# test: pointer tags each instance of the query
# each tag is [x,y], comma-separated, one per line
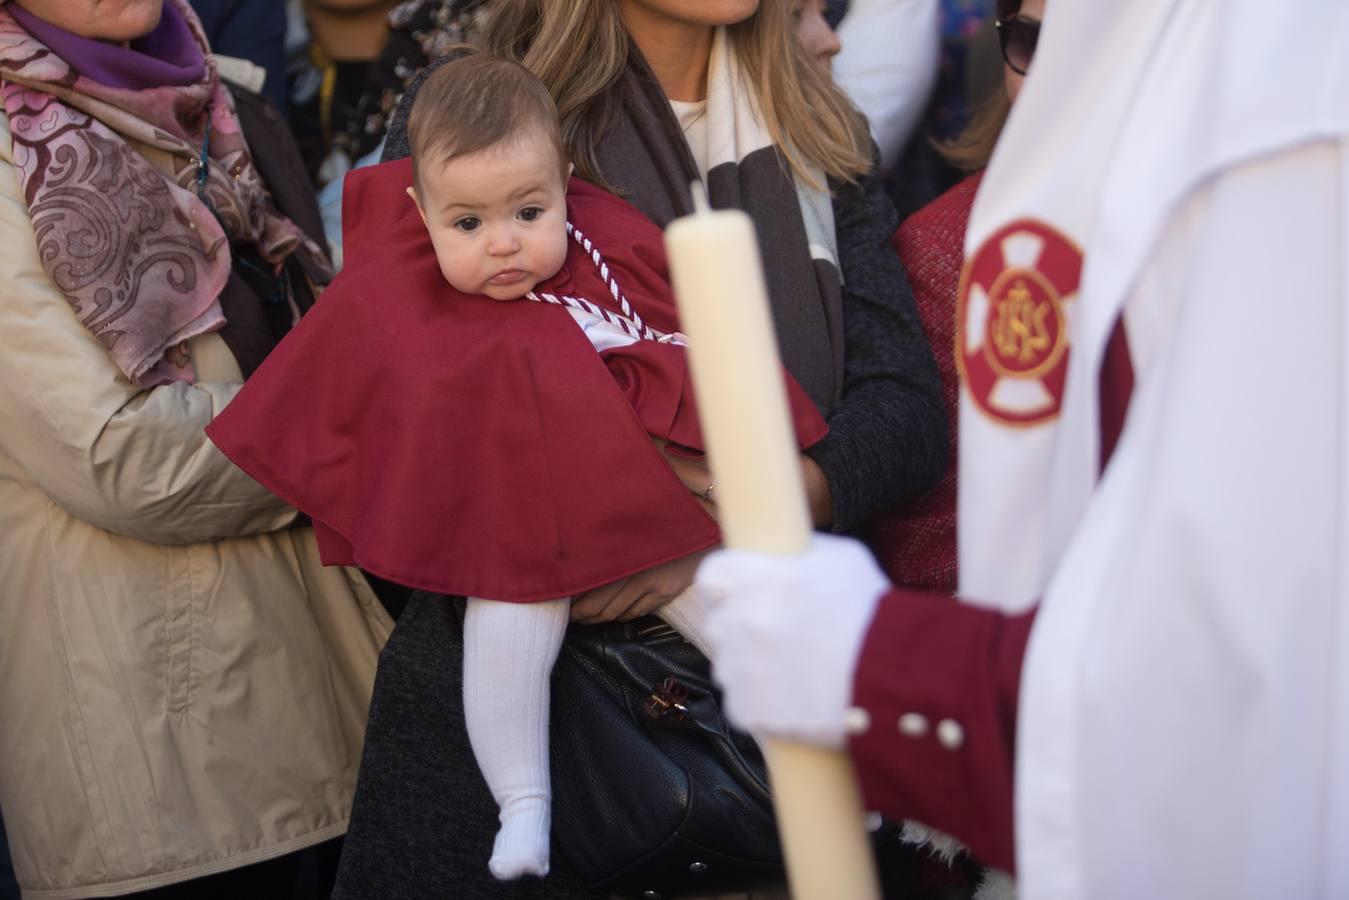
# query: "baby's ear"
[412,192]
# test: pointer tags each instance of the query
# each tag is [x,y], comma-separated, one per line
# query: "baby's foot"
[521,846]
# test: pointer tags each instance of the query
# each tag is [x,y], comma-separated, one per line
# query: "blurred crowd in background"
[337,69]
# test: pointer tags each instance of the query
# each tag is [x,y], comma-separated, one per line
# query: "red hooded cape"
[454,443]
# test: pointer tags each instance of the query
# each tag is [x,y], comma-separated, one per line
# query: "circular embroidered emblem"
[1013,314]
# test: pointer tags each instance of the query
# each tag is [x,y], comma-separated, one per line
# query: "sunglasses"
[1018,38]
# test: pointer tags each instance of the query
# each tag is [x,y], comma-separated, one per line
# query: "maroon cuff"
[938,681]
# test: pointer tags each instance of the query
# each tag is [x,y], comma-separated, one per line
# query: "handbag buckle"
[667,700]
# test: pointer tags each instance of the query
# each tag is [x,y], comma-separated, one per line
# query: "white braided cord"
[629,320]
[594,254]
[629,327]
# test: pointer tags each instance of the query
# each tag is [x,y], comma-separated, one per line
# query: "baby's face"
[498,217]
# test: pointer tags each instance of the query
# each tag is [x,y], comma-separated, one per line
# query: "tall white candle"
[723,308]
[761,505]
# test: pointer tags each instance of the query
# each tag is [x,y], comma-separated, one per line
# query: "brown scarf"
[141,252]
[644,154]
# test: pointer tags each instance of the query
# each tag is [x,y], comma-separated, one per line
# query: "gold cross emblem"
[1021,330]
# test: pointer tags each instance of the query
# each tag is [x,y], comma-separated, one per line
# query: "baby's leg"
[509,651]
[687,615]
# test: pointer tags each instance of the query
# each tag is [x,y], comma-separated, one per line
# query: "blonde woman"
[654,94]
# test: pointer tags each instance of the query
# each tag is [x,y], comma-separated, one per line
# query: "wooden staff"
[761,505]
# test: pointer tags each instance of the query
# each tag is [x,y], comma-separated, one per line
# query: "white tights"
[509,651]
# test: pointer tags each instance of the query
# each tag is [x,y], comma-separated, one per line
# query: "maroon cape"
[454,443]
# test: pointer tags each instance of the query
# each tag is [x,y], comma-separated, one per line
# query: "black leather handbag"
[654,796]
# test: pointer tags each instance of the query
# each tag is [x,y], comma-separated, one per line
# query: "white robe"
[1184,714]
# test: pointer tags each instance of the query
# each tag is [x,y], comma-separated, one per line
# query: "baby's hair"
[477,101]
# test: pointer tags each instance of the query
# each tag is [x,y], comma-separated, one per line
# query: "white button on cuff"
[950,734]
[913,725]
[856,720]
[873,821]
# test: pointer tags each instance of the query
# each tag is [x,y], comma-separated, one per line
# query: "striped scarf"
[647,156]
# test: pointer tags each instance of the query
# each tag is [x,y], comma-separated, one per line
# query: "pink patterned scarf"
[141,258]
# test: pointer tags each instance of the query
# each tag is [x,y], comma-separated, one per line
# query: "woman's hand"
[698,479]
[818,496]
[695,474]
[637,595]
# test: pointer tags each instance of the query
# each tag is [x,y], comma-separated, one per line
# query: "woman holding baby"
[654,94]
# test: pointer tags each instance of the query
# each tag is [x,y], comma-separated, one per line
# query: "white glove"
[785,634]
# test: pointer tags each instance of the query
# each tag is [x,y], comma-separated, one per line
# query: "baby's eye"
[468,223]
[530,213]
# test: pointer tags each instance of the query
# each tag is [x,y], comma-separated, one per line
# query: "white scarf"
[731,128]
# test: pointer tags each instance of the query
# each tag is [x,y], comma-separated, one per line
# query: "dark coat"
[257,316]
[254,30]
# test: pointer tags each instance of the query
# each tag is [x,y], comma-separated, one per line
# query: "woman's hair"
[579,49]
[971,150]
[477,101]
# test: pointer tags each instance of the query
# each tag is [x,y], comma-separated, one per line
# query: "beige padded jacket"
[183,688]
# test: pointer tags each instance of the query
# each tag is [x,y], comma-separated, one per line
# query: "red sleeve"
[938,681]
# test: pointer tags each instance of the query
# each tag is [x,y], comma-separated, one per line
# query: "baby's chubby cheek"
[458,277]
[554,256]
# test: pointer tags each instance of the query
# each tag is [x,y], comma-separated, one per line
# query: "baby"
[490,181]
[490,176]
[470,439]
